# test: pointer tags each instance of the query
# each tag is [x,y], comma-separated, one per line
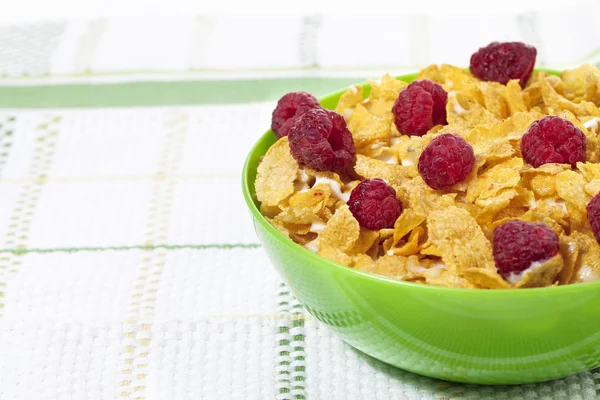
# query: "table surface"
[128,263]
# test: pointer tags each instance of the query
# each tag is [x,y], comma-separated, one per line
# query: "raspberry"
[289,109]
[518,244]
[501,62]
[420,107]
[320,140]
[374,204]
[447,160]
[553,140]
[593,214]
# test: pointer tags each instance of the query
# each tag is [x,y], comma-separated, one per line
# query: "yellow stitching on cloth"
[136,343]
[17,234]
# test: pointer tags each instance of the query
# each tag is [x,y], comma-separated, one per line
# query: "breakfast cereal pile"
[481,178]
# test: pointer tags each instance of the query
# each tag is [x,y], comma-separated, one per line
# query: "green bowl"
[461,335]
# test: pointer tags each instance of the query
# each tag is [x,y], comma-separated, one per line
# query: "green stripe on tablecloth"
[291,381]
[168,93]
[164,93]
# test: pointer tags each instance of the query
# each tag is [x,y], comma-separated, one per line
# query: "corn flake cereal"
[276,174]
[349,100]
[543,274]
[341,232]
[421,198]
[304,207]
[569,249]
[503,176]
[443,277]
[587,266]
[398,267]
[514,97]
[582,83]
[459,239]
[570,187]
[394,174]
[368,129]
[335,255]
[485,278]
[444,237]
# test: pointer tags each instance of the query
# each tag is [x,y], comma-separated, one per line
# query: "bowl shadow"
[559,389]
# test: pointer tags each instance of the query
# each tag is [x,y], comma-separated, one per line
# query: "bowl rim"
[333,266]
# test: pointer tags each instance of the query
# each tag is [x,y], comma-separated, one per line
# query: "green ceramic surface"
[462,335]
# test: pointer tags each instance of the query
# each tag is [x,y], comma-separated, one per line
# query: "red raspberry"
[419,107]
[501,62]
[593,214]
[518,244]
[320,140]
[289,109]
[374,204]
[553,140]
[447,160]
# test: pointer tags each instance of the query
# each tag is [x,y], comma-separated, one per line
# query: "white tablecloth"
[128,263]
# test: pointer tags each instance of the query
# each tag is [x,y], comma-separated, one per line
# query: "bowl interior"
[330,101]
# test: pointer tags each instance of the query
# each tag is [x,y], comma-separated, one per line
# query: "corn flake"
[387,88]
[496,179]
[422,199]
[305,207]
[459,239]
[570,187]
[543,274]
[569,248]
[411,246]
[461,109]
[514,97]
[493,98]
[368,129]
[485,278]
[589,171]
[276,174]
[398,267]
[582,83]
[365,241]
[341,232]
[442,277]
[434,74]
[543,185]
[587,266]
[349,100]
[362,262]
[408,220]
[335,255]
[557,103]
[394,174]
[593,188]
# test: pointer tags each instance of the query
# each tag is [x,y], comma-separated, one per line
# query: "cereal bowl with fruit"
[445,222]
